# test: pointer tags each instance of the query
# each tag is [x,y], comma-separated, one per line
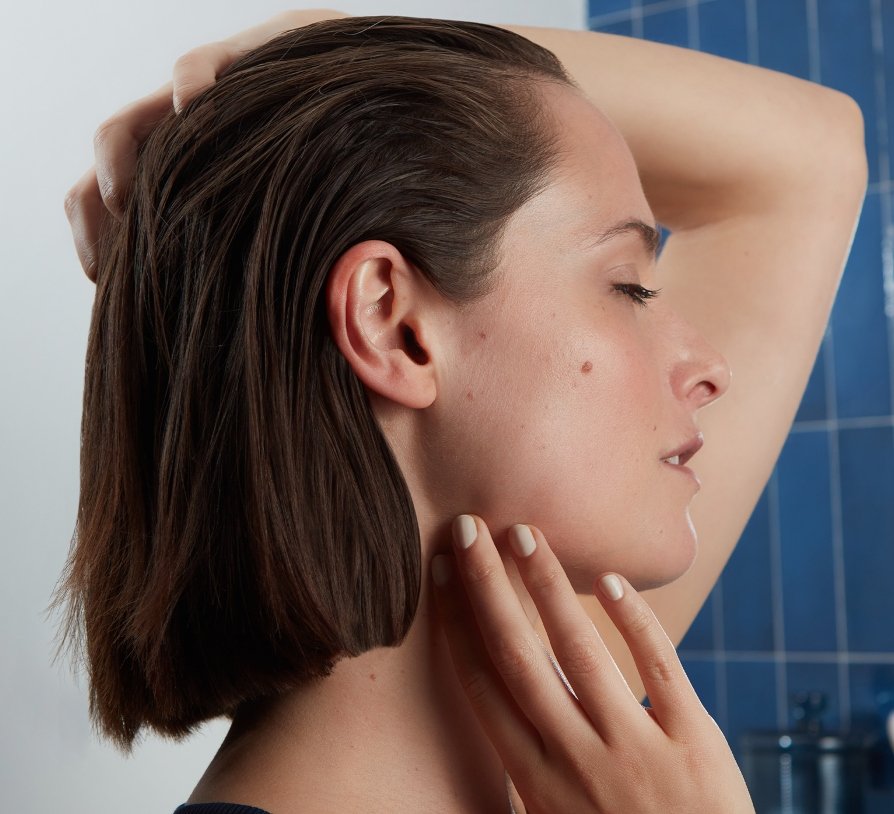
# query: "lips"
[687,449]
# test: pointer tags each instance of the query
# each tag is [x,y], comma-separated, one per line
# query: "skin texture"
[557,392]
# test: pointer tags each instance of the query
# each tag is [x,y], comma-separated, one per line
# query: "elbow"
[824,161]
[846,128]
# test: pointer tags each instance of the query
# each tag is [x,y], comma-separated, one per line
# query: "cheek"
[476,427]
[609,405]
[563,435]
[593,482]
[551,430]
[503,433]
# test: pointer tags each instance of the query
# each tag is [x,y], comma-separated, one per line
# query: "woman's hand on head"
[103,187]
[601,751]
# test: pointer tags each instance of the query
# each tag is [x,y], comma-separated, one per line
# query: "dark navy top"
[217,808]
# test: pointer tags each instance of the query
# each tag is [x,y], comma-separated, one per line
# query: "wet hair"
[242,522]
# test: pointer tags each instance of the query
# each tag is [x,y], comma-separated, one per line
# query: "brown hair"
[242,521]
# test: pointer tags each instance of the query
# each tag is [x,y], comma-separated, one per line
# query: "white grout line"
[881,96]
[833,424]
[884,165]
[641,10]
[790,656]
[610,18]
[884,168]
[813,47]
[692,32]
[844,695]
[888,279]
[751,31]
[636,18]
[888,265]
[776,597]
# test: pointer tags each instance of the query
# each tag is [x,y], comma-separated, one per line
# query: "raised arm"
[760,176]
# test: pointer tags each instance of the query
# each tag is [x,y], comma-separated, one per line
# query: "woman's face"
[561,394]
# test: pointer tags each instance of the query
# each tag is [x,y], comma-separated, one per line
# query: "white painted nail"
[465,531]
[522,540]
[611,586]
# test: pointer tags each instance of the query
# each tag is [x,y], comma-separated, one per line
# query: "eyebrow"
[649,234]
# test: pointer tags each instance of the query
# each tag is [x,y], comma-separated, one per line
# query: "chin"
[644,566]
[670,563]
[648,581]
[660,565]
[656,575]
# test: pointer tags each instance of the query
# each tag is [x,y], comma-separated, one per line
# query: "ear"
[380,317]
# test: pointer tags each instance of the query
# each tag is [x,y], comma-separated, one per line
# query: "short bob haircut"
[242,522]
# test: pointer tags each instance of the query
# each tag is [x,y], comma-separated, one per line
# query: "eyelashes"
[636,292]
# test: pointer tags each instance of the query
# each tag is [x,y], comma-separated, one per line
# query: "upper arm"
[759,285]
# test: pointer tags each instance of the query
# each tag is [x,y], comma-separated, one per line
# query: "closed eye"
[636,292]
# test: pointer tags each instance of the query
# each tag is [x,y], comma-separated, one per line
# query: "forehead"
[594,186]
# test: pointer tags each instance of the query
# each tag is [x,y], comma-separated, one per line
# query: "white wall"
[64,67]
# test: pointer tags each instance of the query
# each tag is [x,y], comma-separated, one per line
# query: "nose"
[700,373]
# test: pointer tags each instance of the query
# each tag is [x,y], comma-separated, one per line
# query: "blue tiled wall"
[807,599]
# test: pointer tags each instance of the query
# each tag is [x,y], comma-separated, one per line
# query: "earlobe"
[376,311]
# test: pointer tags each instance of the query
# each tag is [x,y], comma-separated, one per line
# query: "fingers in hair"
[84,209]
[117,140]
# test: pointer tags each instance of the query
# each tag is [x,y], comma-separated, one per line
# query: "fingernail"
[611,586]
[441,569]
[522,541]
[464,530]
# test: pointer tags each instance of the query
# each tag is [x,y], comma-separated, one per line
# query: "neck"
[389,730]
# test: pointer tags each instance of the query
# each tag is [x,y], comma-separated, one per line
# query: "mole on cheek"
[586,367]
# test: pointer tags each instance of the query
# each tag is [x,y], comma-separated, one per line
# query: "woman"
[401,270]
